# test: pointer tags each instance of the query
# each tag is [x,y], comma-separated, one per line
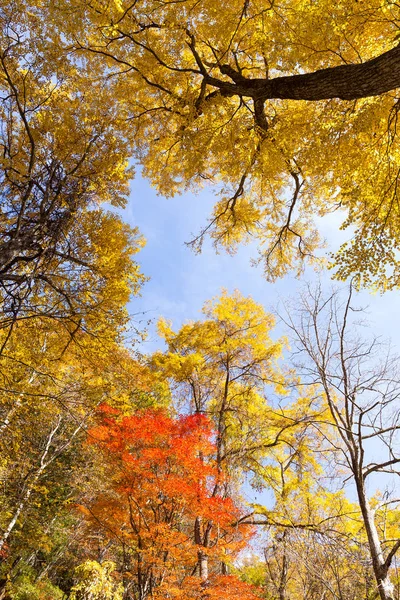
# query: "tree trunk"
[3,589]
[203,565]
[29,489]
[283,578]
[381,570]
[202,558]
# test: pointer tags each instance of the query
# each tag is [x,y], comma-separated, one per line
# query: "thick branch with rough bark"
[347,82]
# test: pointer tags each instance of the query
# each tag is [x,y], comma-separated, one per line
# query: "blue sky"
[181,281]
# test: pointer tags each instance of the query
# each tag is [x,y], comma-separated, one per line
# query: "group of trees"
[125,476]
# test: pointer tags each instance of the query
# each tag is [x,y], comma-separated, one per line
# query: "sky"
[181,281]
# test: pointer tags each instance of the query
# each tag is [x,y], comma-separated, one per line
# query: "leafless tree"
[359,382]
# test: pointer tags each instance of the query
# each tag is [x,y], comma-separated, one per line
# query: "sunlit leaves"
[161,489]
[176,74]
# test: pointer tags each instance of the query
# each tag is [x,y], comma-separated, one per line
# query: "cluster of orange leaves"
[161,480]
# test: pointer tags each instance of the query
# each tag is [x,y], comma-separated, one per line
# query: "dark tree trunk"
[347,82]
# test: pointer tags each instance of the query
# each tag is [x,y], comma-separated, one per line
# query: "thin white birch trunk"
[45,461]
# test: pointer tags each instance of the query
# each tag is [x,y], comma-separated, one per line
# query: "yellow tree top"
[290,107]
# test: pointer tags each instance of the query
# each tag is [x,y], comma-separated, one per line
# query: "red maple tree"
[162,511]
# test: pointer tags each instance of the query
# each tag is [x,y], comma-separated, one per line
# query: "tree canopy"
[288,108]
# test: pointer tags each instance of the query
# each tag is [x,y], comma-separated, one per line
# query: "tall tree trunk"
[284,571]
[380,567]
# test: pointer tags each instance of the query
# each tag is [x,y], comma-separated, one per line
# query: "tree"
[289,107]
[46,406]
[94,582]
[63,154]
[227,366]
[67,272]
[307,565]
[161,478]
[359,385]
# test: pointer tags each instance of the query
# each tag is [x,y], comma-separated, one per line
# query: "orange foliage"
[162,484]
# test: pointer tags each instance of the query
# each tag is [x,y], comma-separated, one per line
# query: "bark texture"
[347,82]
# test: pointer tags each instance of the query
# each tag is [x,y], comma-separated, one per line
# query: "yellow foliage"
[177,72]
